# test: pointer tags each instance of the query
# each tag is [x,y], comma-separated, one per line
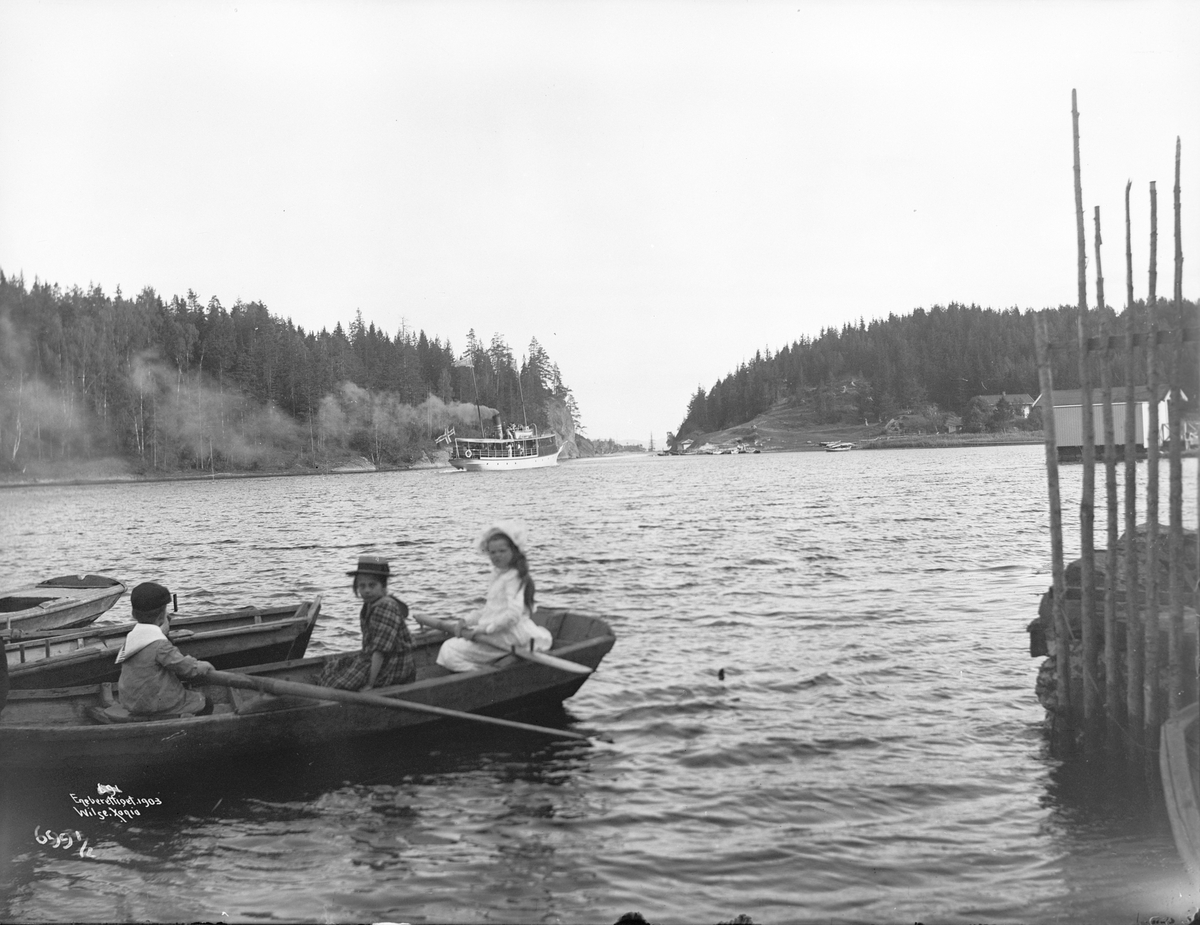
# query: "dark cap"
[372,565]
[148,597]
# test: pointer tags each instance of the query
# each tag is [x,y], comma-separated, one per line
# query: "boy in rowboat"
[507,616]
[152,669]
[386,656]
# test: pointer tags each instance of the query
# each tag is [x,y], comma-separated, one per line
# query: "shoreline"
[52,482]
[950,441]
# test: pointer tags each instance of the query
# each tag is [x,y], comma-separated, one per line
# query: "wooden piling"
[1150,649]
[1062,631]
[1134,638]
[1087,514]
[1175,417]
[1111,700]
[1161,662]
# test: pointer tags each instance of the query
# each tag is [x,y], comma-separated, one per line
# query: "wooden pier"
[1119,624]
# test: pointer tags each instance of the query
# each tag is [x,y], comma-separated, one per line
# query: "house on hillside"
[1021,404]
[1068,417]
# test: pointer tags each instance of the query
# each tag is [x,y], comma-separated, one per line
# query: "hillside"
[944,358]
[792,424]
[803,423]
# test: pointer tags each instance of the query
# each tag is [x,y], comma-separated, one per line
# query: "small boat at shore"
[1179,764]
[250,636]
[81,728]
[58,603]
[837,447]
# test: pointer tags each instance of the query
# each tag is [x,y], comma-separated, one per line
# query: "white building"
[1068,415]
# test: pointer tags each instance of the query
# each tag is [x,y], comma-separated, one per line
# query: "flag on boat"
[466,361]
[446,437]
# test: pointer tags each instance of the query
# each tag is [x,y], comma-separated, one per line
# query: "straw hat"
[372,565]
[513,529]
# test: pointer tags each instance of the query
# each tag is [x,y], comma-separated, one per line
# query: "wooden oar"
[315,692]
[530,655]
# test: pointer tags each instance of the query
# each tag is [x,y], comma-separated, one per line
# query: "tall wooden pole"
[1175,416]
[1111,698]
[1087,514]
[1133,626]
[1150,614]
[1062,632]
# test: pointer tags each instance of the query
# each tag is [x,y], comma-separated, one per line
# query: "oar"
[530,655]
[313,691]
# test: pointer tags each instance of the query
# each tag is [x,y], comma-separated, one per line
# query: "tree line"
[939,359]
[173,384]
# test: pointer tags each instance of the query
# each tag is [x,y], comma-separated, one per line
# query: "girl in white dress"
[507,617]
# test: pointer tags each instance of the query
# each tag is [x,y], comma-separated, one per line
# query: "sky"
[654,190]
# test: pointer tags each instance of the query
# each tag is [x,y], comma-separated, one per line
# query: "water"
[874,752]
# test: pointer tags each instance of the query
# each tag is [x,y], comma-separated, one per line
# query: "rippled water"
[874,752]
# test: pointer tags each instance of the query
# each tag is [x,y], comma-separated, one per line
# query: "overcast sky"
[654,190]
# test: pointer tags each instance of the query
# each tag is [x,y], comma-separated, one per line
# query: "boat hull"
[504,463]
[52,729]
[1178,756]
[59,603]
[251,636]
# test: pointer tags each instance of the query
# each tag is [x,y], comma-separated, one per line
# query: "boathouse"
[1068,416]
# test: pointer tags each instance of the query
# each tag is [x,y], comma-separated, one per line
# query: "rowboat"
[250,636]
[59,603]
[80,728]
[1179,763]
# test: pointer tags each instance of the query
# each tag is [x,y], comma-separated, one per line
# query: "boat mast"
[475,385]
[521,392]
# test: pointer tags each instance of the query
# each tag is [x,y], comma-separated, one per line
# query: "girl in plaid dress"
[386,656]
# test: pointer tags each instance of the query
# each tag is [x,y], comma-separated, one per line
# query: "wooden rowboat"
[250,636]
[58,603]
[1179,762]
[69,728]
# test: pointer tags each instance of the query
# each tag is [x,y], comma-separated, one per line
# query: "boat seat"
[115,713]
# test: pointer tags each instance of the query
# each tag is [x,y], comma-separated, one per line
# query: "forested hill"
[171,385]
[942,357]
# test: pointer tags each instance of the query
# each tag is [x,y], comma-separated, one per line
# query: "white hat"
[513,529]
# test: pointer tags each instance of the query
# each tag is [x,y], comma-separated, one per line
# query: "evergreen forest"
[167,386]
[930,361]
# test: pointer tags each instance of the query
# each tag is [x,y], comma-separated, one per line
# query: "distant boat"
[513,448]
[837,447]
[58,603]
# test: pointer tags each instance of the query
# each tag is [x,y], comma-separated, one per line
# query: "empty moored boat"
[1179,763]
[250,636]
[58,603]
